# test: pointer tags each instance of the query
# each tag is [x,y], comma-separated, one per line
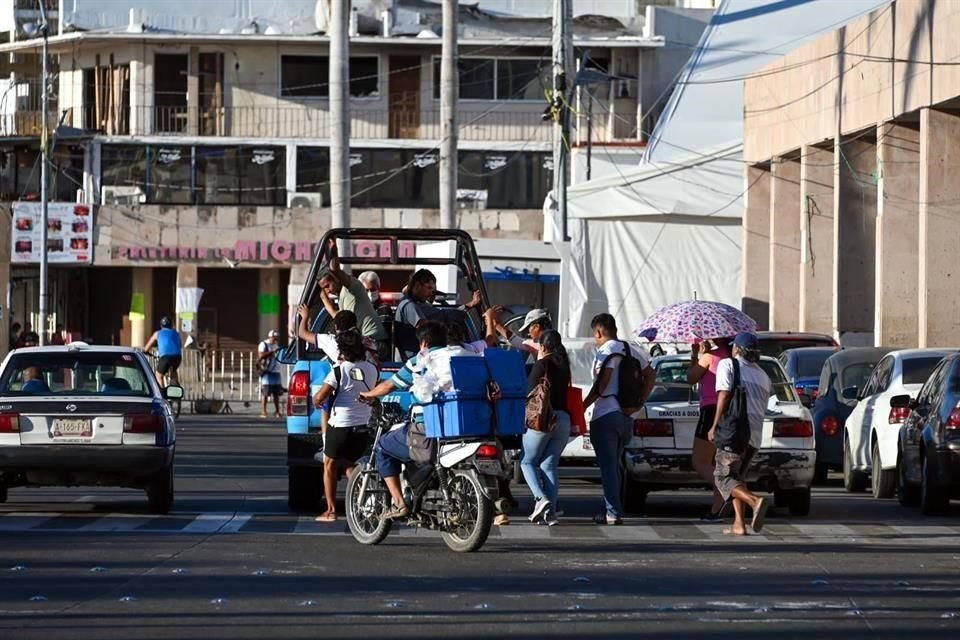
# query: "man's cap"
[747,341]
[534,316]
[273,334]
[165,322]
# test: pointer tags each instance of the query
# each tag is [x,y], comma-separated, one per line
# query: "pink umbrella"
[695,320]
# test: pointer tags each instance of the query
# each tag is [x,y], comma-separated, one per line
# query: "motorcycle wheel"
[473,512]
[366,520]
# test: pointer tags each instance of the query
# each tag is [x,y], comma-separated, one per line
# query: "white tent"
[669,230]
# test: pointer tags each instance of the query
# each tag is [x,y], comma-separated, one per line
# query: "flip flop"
[326,517]
[730,532]
[759,514]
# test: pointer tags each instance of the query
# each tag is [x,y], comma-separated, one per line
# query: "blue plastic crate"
[459,415]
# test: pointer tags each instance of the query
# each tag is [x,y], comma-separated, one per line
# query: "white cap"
[533,316]
[273,334]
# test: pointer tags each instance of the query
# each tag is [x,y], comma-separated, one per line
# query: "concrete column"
[816,239]
[141,306]
[5,313]
[268,301]
[897,248]
[193,92]
[939,232]
[756,246]
[785,245]
[855,213]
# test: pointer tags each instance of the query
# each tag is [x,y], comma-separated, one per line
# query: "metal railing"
[212,378]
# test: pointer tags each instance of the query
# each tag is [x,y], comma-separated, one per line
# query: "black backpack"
[630,385]
[733,428]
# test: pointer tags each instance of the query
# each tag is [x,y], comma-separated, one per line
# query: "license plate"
[72,428]
[587,444]
[489,467]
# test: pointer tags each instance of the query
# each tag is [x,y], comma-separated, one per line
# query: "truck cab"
[449,254]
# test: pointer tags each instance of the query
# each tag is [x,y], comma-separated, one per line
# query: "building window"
[498,78]
[171,175]
[313,172]
[309,76]
[67,172]
[241,175]
[505,180]
[123,172]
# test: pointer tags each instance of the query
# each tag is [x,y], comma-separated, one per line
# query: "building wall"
[869,71]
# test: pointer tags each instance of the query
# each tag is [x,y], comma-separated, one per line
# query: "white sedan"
[659,455]
[872,429]
[81,415]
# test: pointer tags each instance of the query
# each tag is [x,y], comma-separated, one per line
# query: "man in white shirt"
[731,465]
[270,384]
[611,428]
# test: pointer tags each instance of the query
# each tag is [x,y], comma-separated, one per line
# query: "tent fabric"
[653,235]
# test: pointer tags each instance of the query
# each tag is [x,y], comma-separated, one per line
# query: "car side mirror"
[850,393]
[903,401]
[806,400]
[173,392]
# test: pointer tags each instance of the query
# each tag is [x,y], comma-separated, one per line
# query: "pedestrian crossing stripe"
[639,530]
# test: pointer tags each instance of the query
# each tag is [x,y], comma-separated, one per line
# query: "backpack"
[733,428]
[630,382]
[539,414]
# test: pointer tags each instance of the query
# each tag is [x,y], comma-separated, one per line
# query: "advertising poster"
[69,233]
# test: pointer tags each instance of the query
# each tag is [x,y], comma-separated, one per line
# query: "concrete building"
[201,143]
[853,181]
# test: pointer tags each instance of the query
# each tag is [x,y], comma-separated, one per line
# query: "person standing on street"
[542,449]
[740,375]
[169,350]
[611,427]
[705,357]
[269,373]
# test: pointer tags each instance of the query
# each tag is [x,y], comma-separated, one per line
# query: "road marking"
[524,532]
[21,523]
[236,523]
[630,532]
[111,524]
[207,523]
[929,530]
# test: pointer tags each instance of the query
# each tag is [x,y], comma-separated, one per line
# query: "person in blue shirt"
[392,449]
[169,350]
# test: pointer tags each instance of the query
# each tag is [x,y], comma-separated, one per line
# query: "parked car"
[86,415]
[658,455]
[844,369]
[803,367]
[872,429]
[774,343]
[928,460]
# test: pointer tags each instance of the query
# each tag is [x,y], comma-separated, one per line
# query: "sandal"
[329,516]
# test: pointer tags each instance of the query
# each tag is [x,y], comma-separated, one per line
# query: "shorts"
[730,470]
[166,363]
[707,415]
[267,390]
[345,443]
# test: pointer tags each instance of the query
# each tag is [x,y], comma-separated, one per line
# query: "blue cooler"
[466,412]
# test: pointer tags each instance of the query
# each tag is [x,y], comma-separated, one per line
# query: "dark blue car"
[803,367]
[844,369]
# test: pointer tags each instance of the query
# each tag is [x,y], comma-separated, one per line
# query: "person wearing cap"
[535,324]
[169,350]
[269,373]
[731,465]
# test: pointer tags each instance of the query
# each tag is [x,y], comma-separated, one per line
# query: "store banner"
[69,233]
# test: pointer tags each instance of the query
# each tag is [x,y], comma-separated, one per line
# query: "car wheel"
[883,482]
[798,501]
[820,473]
[933,499]
[853,481]
[304,488]
[634,497]
[160,492]
[907,494]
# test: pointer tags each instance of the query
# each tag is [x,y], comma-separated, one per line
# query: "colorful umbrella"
[695,320]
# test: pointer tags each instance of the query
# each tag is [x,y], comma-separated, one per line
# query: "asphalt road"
[230,562]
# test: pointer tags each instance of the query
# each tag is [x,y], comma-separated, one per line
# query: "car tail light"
[898,415]
[646,428]
[298,398]
[830,426]
[792,428]
[9,423]
[800,390]
[488,451]
[953,422]
[142,423]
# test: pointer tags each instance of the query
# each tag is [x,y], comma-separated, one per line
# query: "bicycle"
[176,404]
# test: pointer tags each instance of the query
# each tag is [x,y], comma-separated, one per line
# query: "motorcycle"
[454,493]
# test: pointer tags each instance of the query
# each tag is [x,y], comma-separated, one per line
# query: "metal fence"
[212,379]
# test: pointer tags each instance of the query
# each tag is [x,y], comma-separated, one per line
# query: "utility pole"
[44,161]
[562,81]
[449,90]
[339,114]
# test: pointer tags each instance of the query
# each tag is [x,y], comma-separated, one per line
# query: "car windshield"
[855,375]
[917,370]
[779,385]
[809,365]
[74,374]
[773,347]
[671,383]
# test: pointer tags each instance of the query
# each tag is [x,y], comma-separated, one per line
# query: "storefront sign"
[69,233]
[258,252]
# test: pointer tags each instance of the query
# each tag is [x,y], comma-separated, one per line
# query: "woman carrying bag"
[548,426]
